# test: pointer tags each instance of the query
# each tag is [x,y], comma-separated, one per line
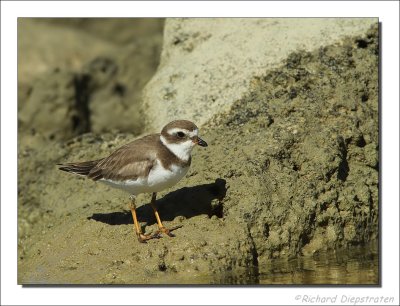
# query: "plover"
[146,165]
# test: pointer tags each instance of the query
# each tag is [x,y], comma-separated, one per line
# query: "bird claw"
[157,235]
[144,237]
[167,231]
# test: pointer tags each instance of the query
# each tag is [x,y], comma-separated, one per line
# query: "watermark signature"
[344,299]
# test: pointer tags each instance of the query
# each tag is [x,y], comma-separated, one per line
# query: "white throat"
[181,150]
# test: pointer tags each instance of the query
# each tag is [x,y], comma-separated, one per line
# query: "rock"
[209,64]
[43,48]
[301,192]
[57,106]
[77,89]
[117,80]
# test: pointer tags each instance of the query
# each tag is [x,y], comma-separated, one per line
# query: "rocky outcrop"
[37,43]
[208,64]
[67,88]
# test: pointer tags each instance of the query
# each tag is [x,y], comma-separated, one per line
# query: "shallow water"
[355,265]
[351,266]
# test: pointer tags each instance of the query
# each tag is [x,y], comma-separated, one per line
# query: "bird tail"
[82,168]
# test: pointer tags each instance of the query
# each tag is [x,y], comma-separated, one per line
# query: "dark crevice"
[266,230]
[323,223]
[254,253]
[361,43]
[162,267]
[119,89]
[81,121]
[360,142]
[296,167]
[304,239]
[343,169]
[364,97]
[305,236]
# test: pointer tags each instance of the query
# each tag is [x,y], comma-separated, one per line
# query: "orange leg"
[141,237]
[161,227]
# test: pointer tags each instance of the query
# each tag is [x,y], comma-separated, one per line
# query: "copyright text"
[348,299]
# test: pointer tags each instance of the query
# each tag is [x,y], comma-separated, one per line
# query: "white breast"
[159,179]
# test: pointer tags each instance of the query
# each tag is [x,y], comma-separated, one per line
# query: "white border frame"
[12,294]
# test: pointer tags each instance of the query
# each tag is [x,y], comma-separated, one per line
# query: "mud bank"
[291,170]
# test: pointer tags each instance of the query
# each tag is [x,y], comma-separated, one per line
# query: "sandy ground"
[290,171]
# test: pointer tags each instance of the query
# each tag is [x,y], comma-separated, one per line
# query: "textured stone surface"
[207,64]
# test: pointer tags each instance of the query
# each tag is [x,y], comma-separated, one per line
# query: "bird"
[149,164]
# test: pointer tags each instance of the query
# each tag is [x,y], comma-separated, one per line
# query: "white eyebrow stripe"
[189,133]
[175,130]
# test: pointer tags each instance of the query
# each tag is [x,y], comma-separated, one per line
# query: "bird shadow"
[187,202]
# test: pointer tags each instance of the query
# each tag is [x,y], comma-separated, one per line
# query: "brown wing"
[131,161]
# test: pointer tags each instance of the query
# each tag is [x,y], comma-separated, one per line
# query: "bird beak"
[199,141]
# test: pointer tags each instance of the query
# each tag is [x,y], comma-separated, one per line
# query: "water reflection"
[355,265]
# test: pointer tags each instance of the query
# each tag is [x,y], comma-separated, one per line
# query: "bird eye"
[180,134]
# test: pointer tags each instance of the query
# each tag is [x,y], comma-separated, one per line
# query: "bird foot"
[167,231]
[144,237]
